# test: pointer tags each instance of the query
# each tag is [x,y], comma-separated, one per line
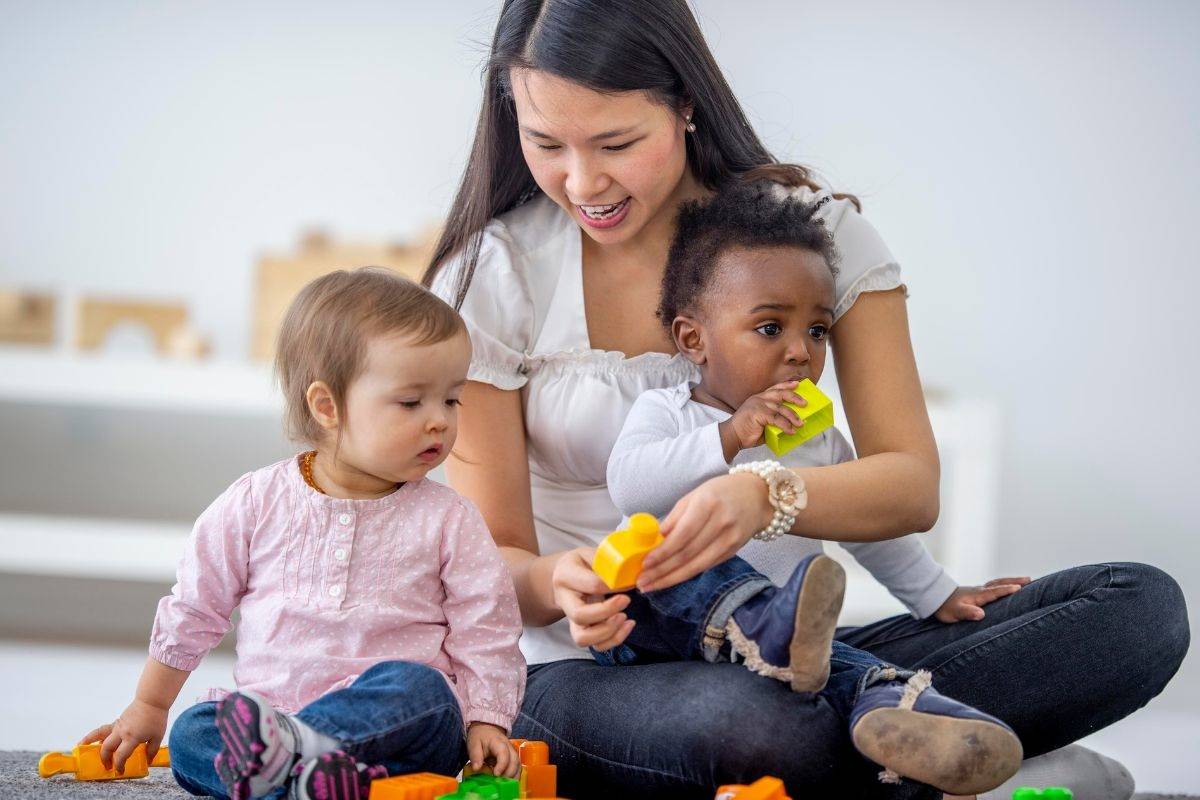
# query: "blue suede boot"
[914,732]
[786,632]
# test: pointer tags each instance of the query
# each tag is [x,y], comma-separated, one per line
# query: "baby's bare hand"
[488,745]
[140,722]
[750,421]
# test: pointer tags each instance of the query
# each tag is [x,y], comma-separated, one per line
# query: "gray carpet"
[19,780]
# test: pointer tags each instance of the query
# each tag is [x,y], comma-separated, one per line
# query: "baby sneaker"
[914,732]
[333,776]
[259,746]
[786,632]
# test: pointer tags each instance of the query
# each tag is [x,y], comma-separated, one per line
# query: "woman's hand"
[707,526]
[140,722]
[966,603]
[488,745]
[578,591]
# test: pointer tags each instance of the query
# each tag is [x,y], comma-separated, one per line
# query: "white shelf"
[63,378]
[90,547]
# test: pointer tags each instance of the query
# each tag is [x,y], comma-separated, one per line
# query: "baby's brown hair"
[325,332]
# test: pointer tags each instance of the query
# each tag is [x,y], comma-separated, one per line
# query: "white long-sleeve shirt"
[670,444]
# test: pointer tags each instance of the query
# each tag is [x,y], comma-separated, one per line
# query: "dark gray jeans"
[1067,655]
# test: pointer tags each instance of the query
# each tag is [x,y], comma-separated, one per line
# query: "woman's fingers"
[650,581]
[583,612]
[683,530]
[1021,581]
[986,595]
[619,637]
[713,554]
[593,635]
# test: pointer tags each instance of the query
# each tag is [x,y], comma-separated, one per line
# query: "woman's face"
[611,161]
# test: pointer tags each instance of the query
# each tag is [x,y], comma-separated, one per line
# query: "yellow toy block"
[762,789]
[619,557]
[817,416]
[414,786]
[84,762]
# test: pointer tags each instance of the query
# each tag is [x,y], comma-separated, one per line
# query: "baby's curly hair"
[758,214]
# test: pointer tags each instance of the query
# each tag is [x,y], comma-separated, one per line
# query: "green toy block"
[1049,793]
[817,416]
[482,786]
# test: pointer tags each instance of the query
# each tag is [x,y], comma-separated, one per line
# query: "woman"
[599,118]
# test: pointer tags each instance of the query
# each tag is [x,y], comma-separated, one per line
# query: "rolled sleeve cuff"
[930,600]
[490,716]
[173,657]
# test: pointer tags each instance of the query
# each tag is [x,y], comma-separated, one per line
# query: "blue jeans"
[686,622]
[398,714]
[1065,656]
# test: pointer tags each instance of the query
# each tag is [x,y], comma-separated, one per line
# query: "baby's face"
[766,319]
[402,409]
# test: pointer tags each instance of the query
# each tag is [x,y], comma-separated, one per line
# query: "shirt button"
[334,591]
[345,519]
[339,554]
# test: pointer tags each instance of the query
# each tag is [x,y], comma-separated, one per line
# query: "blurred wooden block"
[279,278]
[26,317]
[97,319]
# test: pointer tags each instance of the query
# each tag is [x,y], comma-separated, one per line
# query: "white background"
[1034,166]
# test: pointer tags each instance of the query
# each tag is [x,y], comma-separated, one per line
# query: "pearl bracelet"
[785,491]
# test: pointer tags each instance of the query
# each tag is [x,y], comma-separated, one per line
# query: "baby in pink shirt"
[377,618]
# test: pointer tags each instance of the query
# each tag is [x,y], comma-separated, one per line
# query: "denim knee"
[1161,610]
[414,676]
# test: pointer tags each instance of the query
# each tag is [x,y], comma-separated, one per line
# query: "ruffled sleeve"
[498,310]
[865,263]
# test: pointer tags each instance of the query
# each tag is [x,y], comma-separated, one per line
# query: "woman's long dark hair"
[610,46]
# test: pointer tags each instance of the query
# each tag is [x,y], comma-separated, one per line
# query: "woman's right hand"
[579,592]
[140,722]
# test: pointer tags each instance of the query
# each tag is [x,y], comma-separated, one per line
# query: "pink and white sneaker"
[259,746]
[333,776]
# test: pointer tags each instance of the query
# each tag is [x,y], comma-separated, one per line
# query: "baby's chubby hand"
[140,722]
[579,592]
[488,744]
[745,429]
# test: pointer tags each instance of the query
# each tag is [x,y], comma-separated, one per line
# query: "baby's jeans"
[398,714]
[686,622]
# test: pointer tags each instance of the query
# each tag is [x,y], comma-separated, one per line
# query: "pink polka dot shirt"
[327,588]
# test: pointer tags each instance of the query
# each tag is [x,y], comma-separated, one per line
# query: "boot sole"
[817,611]
[957,756]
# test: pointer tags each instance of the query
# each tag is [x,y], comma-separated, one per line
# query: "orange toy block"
[619,557]
[762,789]
[84,762]
[540,776]
[414,786]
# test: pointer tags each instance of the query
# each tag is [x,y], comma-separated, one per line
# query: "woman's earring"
[691,126]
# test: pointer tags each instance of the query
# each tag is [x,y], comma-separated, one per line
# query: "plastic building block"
[619,557]
[817,416]
[84,761]
[414,786]
[767,788]
[1049,793]
[539,777]
[482,786]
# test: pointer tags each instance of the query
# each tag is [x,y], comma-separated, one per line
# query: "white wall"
[1033,165]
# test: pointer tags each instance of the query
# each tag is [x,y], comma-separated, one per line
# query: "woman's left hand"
[967,602]
[707,526]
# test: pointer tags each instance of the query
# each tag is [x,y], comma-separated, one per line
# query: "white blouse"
[525,313]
